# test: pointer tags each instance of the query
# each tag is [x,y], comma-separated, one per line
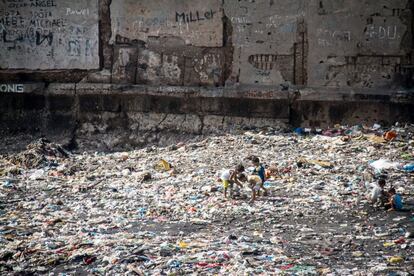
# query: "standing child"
[395,201]
[255,183]
[231,177]
[259,170]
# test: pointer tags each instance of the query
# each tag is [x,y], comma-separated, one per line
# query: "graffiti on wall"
[327,38]
[382,32]
[364,71]
[183,17]
[49,34]
[196,22]
[12,88]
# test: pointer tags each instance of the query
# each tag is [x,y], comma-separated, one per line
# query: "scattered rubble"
[160,210]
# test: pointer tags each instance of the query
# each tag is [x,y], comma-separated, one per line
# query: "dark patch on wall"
[301,49]
[105,33]
[370,71]
[263,61]
[227,49]
[326,113]
[60,76]
[169,61]
[125,64]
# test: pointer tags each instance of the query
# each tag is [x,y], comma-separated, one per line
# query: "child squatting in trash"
[377,194]
[394,202]
[231,177]
[259,171]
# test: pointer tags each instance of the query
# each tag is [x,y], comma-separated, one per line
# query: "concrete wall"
[315,43]
[360,43]
[52,34]
[104,107]
[333,47]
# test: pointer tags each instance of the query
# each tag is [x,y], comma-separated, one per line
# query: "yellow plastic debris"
[395,260]
[376,139]
[163,165]
[324,164]
[182,244]
[357,254]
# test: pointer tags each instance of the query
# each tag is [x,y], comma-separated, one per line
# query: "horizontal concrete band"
[61,106]
[258,92]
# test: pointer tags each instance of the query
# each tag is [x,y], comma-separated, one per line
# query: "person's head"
[381,183]
[383,175]
[242,177]
[256,161]
[392,191]
[240,168]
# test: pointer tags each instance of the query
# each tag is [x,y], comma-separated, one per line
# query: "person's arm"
[233,178]
[238,183]
[392,203]
[236,180]
[373,196]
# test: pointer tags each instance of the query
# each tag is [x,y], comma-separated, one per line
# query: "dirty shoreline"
[74,213]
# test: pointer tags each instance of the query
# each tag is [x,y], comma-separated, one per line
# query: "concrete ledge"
[64,107]
[247,92]
[183,92]
[354,95]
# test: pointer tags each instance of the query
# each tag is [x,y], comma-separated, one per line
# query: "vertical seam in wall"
[100,46]
[46,113]
[289,107]
[77,110]
[303,58]
[136,64]
[184,67]
[294,63]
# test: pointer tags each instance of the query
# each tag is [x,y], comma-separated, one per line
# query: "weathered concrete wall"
[97,108]
[267,40]
[314,43]
[196,22]
[229,47]
[359,43]
[52,34]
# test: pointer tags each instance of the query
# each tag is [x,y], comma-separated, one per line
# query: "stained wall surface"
[52,34]
[359,43]
[196,22]
[280,43]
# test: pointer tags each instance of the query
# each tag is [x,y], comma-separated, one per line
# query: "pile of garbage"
[160,210]
[38,154]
